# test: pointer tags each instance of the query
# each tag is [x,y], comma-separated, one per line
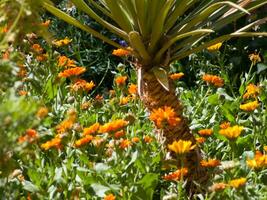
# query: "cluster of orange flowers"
[259,161]
[53,143]
[176,76]
[39,51]
[231,133]
[164,115]
[213,80]
[60,43]
[84,140]
[177,175]
[235,183]
[82,85]
[30,136]
[113,126]
[64,61]
[252,91]
[205,132]
[91,129]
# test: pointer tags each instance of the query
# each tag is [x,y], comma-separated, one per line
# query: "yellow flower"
[175,176]
[249,106]
[42,112]
[232,132]
[205,132]
[181,146]
[162,115]
[215,47]
[72,72]
[236,183]
[259,161]
[213,79]
[91,129]
[60,43]
[121,52]
[254,58]
[176,76]
[81,84]
[124,100]
[251,91]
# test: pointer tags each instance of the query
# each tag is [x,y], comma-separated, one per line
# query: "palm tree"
[160,32]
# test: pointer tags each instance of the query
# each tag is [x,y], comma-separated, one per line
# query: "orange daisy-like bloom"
[42,57]
[237,183]
[132,89]
[42,112]
[66,124]
[6,55]
[225,125]
[81,84]
[121,52]
[113,126]
[23,93]
[83,141]
[72,72]
[135,139]
[210,163]
[232,132]
[112,93]
[99,97]
[54,143]
[29,136]
[37,48]
[125,144]
[64,61]
[213,79]
[60,43]
[148,139]
[215,47]
[120,80]
[164,115]
[249,106]
[251,91]
[119,134]
[181,146]
[200,140]
[110,197]
[177,175]
[259,161]
[91,129]
[218,187]
[124,100]
[254,58]
[176,76]
[205,132]
[46,23]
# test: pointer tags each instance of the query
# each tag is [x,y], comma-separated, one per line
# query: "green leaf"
[161,76]
[99,189]
[100,167]
[27,185]
[261,67]
[213,99]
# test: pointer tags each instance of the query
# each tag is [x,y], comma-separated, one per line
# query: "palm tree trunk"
[155,96]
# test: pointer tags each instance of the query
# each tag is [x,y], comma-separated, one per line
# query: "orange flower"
[113,126]
[97,141]
[121,52]
[42,57]
[29,136]
[135,139]
[132,89]
[205,132]
[46,23]
[6,55]
[215,47]
[66,124]
[110,197]
[99,97]
[42,112]
[214,80]
[162,115]
[85,105]
[83,141]
[124,100]
[60,43]
[72,72]
[64,61]
[176,76]
[125,144]
[91,129]
[112,93]
[251,91]
[37,48]
[120,80]
[148,139]
[181,146]
[232,132]
[249,106]
[225,125]
[210,163]
[119,134]
[259,161]
[55,142]
[254,58]
[200,140]
[237,183]
[23,93]
[218,187]
[176,176]
[81,84]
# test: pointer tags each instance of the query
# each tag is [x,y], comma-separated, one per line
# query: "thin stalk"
[201,102]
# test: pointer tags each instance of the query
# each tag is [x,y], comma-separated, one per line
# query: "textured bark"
[155,96]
